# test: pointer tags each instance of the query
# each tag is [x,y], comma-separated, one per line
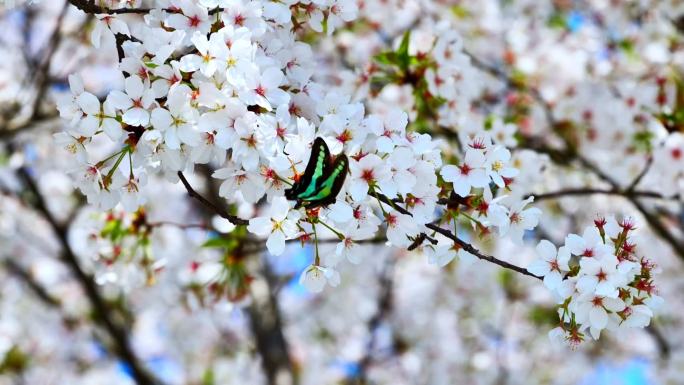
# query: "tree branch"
[216,209]
[23,275]
[653,221]
[465,245]
[92,8]
[596,191]
[384,309]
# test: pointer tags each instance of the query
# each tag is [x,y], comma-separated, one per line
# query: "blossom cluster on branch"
[233,83]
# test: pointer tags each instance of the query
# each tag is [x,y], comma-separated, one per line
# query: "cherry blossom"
[278,227]
[552,264]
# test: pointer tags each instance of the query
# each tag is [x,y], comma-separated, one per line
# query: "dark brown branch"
[215,208]
[661,341]
[267,327]
[570,152]
[24,276]
[384,310]
[42,74]
[659,228]
[465,245]
[92,8]
[264,311]
[632,186]
[596,191]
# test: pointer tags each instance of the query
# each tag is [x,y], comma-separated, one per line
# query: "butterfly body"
[322,180]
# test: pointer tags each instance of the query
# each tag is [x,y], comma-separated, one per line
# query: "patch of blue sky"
[162,367]
[165,369]
[349,368]
[575,20]
[632,372]
[293,262]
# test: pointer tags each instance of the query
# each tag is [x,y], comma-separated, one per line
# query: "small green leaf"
[216,243]
[403,52]
[14,362]
[459,12]
[543,316]
[386,58]
[208,377]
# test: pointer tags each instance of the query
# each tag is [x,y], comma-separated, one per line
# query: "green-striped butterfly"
[322,179]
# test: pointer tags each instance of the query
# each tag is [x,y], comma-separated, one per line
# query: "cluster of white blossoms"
[226,83]
[233,87]
[599,281]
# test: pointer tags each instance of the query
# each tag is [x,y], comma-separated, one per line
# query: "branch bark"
[213,207]
[264,312]
[465,245]
[659,228]
[597,191]
[374,323]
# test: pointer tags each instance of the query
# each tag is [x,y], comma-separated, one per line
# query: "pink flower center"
[478,144]
[261,91]
[357,213]
[602,276]
[391,220]
[554,265]
[465,169]
[367,175]
[344,137]
[193,21]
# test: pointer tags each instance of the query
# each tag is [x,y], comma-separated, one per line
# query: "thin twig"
[92,8]
[42,75]
[465,245]
[641,175]
[653,221]
[237,221]
[597,191]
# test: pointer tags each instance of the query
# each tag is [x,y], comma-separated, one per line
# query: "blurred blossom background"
[588,95]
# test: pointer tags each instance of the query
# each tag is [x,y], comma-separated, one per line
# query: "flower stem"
[317,260]
[118,162]
[339,235]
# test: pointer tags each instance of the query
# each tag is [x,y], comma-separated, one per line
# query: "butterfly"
[322,179]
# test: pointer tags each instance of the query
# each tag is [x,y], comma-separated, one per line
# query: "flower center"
[261,91]
[193,21]
[367,175]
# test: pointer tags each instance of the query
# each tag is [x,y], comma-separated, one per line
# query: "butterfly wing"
[326,192]
[320,157]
